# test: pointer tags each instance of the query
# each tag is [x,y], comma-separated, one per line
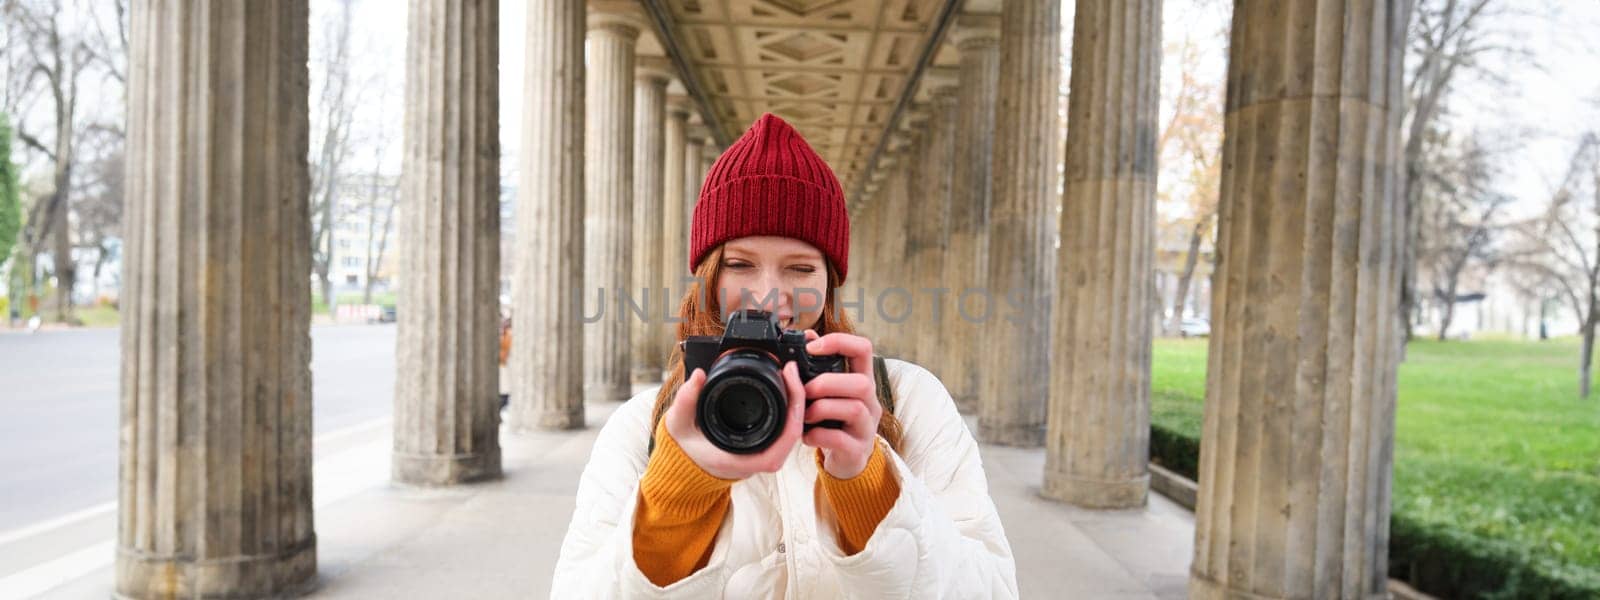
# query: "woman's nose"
[773,297]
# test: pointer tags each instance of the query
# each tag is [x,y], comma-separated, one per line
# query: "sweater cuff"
[681,508]
[861,502]
[674,485]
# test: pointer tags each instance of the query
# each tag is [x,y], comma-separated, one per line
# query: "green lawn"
[318,307]
[1491,442]
[98,316]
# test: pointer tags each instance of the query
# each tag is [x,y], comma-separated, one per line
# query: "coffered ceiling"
[835,69]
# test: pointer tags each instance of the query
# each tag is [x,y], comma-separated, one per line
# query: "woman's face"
[784,276]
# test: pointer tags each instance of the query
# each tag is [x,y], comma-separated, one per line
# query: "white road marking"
[335,478]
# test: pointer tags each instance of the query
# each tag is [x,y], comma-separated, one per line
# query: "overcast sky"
[1553,103]
[1549,96]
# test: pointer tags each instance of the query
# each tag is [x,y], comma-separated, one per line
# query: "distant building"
[366,222]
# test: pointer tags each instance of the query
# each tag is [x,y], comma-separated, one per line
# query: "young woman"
[892,505]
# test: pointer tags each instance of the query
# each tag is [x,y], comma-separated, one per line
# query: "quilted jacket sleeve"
[596,558]
[943,538]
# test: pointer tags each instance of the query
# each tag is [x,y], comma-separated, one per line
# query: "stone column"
[446,404]
[966,260]
[214,497]
[1300,392]
[867,271]
[694,175]
[608,222]
[547,364]
[906,210]
[860,263]
[888,305]
[927,235]
[674,252]
[1022,226]
[863,260]
[709,153]
[649,151]
[1098,441]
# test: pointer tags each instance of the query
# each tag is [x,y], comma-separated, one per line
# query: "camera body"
[743,407]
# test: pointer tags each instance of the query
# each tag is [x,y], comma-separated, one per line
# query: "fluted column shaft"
[861,269]
[694,176]
[649,128]
[966,261]
[1022,226]
[608,223]
[928,237]
[869,271]
[1098,441]
[674,253]
[547,363]
[903,304]
[1300,386]
[214,497]
[890,304]
[446,406]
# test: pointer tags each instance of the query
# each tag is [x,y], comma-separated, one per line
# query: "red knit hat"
[770,182]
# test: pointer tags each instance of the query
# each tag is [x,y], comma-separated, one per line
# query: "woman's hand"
[719,463]
[850,398]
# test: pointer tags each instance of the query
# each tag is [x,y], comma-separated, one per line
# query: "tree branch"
[34,143]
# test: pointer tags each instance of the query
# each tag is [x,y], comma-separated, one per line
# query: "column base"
[1201,588]
[557,421]
[649,375]
[434,470]
[598,393]
[1019,436]
[1096,493]
[290,573]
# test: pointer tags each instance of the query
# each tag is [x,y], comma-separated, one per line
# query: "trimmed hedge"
[1177,452]
[1433,558]
[1447,563]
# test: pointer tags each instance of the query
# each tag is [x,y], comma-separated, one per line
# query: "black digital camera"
[743,407]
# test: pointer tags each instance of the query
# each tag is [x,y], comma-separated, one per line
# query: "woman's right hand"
[680,422]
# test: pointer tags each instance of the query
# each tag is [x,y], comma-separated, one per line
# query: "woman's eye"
[737,265]
[804,268]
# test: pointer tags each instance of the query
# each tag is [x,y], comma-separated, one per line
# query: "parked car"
[1195,328]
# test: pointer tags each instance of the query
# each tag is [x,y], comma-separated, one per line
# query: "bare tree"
[1449,39]
[1569,235]
[99,210]
[1191,141]
[1461,220]
[55,59]
[54,51]
[382,196]
[334,106]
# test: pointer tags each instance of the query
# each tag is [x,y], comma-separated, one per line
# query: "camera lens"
[741,409]
[741,406]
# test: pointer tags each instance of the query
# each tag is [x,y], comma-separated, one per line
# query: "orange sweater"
[681,507]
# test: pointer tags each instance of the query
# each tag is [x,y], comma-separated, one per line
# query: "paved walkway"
[500,539]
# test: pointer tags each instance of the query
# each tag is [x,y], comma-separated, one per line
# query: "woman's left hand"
[850,398]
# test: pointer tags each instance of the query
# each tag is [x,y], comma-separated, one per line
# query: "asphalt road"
[58,410]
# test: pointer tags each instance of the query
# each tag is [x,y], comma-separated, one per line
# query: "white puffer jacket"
[942,539]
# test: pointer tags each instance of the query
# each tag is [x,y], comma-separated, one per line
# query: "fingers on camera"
[844,385]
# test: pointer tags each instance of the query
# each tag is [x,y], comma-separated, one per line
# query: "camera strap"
[880,372]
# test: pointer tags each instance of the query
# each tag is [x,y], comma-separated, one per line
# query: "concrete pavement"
[500,539]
